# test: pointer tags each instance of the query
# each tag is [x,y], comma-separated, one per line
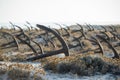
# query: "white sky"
[82,11]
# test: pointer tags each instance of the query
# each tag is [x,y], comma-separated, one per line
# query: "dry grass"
[21,71]
[82,64]
[17,73]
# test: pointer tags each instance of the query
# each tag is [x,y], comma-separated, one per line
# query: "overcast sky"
[49,11]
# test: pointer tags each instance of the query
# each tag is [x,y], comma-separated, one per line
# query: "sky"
[60,11]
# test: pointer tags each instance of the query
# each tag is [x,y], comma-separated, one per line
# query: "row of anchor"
[45,41]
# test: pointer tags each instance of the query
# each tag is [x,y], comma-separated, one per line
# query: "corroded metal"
[64,49]
[116,55]
[68,33]
[89,28]
[40,47]
[13,37]
[57,31]
[28,42]
[115,35]
[53,45]
[66,26]
[79,43]
[12,25]
[104,28]
[59,26]
[99,44]
[113,28]
[92,28]
[82,31]
[74,37]
[28,27]
[108,35]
